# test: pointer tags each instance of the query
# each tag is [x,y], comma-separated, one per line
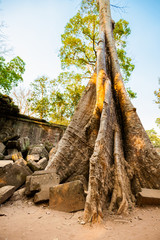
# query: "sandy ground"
[22,220]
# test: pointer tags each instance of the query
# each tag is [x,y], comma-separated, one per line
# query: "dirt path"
[25,221]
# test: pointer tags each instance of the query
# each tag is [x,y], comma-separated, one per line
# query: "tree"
[65,94]
[39,100]
[21,96]
[157,101]
[154,137]
[11,73]
[105,142]
[80,40]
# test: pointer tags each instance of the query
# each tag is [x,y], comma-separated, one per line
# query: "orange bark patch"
[100,89]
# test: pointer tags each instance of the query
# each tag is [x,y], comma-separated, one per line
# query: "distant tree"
[154,137]
[39,101]
[20,96]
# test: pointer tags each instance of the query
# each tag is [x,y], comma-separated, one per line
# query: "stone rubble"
[19,159]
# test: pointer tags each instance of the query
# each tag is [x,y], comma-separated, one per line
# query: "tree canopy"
[11,73]
[80,39]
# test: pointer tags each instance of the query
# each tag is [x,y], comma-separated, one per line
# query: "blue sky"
[34,29]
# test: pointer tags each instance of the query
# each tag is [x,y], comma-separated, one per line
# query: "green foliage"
[80,39]
[157,101]
[67,90]
[39,101]
[55,100]
[120,33]
[154,137]
[157,94]
[79,52]
[11,73]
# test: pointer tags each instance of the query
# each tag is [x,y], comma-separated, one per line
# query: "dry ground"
[22,220]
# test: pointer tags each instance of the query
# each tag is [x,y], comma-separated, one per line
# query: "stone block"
[148,197]
[14,174]
[6,192]
[33,157]
[4,163]
[2,147]
[18,195]
[67,197]
[33,165]
[38,149]
[41,181]
[17,156]
[20,161]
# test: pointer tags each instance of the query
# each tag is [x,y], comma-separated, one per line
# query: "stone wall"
[38,131]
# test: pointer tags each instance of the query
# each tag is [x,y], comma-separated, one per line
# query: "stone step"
[148,197]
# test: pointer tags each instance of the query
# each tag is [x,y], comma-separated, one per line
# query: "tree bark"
[105,141]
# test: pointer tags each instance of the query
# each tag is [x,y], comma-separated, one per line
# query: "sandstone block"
[4,163]
[67,197]
[149,197]
[13,174]
[33,157]
[20,161]
[38,149]
[33,165]
[6,192]
[41,181]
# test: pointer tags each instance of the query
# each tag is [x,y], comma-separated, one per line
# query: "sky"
[34,29]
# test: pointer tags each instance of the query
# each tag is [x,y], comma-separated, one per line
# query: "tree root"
[121,189]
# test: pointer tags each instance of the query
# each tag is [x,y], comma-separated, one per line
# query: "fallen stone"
[33,157]
[2,147]
[33,165]
[149,197]
[14,174]
[4,163]
[1,156]
[43,195]
[20,161]
[67,197]
[18,195]
[6,192]
[41,181]
[43,163]
[38,149]
[12,151]
[17,156]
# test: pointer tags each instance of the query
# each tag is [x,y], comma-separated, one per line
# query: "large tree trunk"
[106,144]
